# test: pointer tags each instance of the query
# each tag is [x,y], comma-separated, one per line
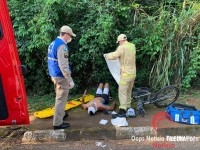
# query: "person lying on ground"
[100,101]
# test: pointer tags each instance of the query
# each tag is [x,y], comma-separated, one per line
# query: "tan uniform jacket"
[127,57]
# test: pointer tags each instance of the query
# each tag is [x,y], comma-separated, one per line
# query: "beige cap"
[67,29]
[121,37]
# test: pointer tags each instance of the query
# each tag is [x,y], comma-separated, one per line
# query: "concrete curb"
[106,133]
[110,133]
[102,133]
[44,136]
[190,130]
[86,134]
[68,135]
[128,132]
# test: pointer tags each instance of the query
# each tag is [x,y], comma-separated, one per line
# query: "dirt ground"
[125,144]
[79,119]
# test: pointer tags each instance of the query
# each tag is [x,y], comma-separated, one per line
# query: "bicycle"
[162,98]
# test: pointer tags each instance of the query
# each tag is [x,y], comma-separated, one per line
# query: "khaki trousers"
[62,90]
[125,92]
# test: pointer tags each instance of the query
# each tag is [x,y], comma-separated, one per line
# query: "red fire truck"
[13,100]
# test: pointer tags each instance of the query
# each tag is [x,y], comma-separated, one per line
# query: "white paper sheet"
[119,122]
[114,67]
[100,144]
[103,122]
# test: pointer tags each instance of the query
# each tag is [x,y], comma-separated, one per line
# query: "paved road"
[106,145]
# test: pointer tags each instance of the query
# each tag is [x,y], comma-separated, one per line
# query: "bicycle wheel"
[166,96]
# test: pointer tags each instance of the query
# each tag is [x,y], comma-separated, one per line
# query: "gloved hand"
[71,84]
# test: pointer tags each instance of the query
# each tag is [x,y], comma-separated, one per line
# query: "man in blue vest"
[58,66]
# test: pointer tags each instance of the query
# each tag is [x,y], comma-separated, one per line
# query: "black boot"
[66,115]
[62,126]
[121,113]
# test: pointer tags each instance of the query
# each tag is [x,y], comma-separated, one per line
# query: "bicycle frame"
[147,97]
[143,96]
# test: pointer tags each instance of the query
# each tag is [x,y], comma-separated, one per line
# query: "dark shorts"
[104,96]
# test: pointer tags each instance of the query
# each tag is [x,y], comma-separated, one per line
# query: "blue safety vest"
[54,70]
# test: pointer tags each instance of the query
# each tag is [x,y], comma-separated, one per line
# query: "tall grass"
[173,43]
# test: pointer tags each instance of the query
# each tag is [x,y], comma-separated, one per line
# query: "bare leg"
[106,89]
[100,85]
[99,89]
[107,85]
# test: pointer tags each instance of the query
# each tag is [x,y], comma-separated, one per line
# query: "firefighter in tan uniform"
[58,66]
[126,52]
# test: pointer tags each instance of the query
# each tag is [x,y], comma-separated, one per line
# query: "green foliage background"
[165,32]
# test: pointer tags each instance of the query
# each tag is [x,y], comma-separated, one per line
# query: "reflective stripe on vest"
[52,59]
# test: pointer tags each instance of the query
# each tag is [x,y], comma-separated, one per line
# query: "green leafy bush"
[165,33]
